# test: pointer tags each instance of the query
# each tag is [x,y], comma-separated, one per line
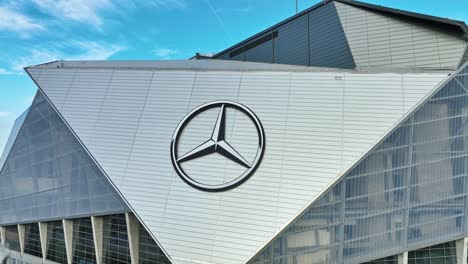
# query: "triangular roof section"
[317,123]
[12,137]
[421,136]
[49,175]
[457,25]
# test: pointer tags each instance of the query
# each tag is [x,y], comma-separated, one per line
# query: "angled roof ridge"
[457,23]
[359,159]
[225,65]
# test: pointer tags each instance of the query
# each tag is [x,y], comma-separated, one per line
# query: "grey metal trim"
[98,165]
[97,223]
[43,238]
[455,23]
[403,119]
[220,65]
[68,218]
[68,237]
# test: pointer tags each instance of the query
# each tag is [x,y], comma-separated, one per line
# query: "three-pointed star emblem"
[217,143]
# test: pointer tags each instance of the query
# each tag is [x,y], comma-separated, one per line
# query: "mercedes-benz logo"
[217,143]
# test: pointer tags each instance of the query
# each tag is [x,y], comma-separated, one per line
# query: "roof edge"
[457,23]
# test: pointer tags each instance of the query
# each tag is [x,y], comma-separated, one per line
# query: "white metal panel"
[88,100]
[316,125]
[58,82]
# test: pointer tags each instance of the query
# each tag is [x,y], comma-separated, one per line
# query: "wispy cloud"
[95,50]
[167,3]
[87,50]
[166,53]
[4,71]
[90,11]
[11,20]
[5,114]
[221,23]
[86,11]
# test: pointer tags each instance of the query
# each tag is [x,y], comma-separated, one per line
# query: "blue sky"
[38,31]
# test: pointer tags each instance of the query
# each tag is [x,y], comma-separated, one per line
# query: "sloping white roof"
[317,122]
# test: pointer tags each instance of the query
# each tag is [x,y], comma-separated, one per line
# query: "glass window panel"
[149,251]
[32,240]
[56,250]
[83,242]
[12,238]
[443,253]
[115,240]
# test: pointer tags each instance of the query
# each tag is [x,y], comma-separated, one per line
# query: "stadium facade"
[335,136]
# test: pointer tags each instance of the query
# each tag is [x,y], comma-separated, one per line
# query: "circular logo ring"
[217,144]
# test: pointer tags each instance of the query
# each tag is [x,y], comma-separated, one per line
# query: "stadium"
[335,136]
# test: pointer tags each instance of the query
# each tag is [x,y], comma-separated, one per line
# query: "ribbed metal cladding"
[377,39]
[343,35]
[291,46]
[409,192]
[328,44]
[316,124]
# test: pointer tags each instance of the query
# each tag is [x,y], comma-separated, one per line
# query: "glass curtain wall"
[48,175]
[12,238]
[83,242]
[56,250]
[410,190]
[149,251]
[115,240]
[445,253]
[32,240]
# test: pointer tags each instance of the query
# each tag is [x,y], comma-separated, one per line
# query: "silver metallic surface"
[409,192]
[318,123]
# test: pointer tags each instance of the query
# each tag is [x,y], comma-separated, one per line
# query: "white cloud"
[78,10]
[33,58]
[95,51]
[5,114]
[88,50]
[165,53]
[13,21]
[4,71]
[166,3]
[89,11]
